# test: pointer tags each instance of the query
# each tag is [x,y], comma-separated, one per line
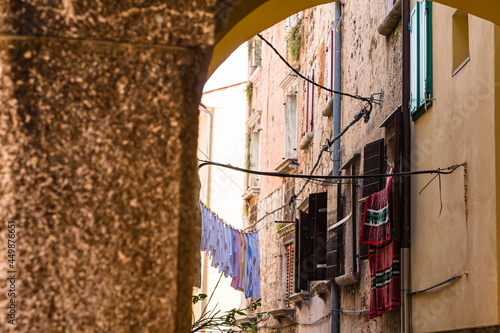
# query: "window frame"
[310,102]
[289,276]
[421,86]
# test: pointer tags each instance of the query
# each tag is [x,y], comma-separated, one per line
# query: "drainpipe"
[405,197]
[335,325]
[204,262]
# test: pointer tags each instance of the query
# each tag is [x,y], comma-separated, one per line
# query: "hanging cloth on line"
[383,257]
[234,252]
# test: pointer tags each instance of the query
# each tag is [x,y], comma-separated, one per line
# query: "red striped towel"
[376,226]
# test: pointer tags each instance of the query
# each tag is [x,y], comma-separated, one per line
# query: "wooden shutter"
[330,58]
[304,244]
[310,102]
[318,213]
[363,248]
[334,255]
[373,163]
[289,274]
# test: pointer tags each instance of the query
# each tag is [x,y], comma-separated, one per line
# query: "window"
[460,40]
[291,127]
[255,157]
[310,243]
[310,102]
[289,275]
[252,159]
[421,58]
[256,52]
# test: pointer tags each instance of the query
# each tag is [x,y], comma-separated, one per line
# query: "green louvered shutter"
[427,55]
[414,27]
[420,58]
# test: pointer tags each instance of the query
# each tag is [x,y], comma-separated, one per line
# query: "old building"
[357,48]
[98,166]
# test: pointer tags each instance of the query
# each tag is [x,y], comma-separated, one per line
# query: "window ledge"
[290,81]
[462,65]
[322,287]
[347,279]
[247,319]
[253,119]
[288,165]
[288,229]
[391,20]
[306,141]
[255,74]
[283,313]
[300,297]
[328,110]
[251,192]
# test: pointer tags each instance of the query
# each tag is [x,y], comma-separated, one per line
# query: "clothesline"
[227,224]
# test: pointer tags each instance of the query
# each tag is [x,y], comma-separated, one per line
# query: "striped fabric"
[376,226]
[383,257]
[386,278]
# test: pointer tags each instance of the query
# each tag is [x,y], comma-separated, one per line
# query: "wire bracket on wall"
[380,100]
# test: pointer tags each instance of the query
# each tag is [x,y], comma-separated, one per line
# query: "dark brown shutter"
[318,212]
[304,261]
[334,255]
[373,163]
[363,248]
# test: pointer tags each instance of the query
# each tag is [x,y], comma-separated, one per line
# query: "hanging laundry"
[385,278]
[234,252]
[376,226]
[383,257]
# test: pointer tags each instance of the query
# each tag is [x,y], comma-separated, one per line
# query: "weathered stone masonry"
[97,129]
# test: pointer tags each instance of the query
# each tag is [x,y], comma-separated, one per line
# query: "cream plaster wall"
[458,128]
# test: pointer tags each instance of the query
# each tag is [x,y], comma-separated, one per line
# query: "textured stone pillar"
[98,132]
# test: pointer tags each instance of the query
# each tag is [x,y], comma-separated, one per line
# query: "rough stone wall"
[98,140]
[370,63]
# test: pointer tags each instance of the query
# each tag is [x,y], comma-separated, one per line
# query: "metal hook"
[378,101]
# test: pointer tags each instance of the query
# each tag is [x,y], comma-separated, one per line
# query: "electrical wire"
[367,100]
[308,178]
[440,171]
[225,174]
[294,196]
[364,113]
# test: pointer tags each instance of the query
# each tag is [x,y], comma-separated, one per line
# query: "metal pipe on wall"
[335,324]
[204,261]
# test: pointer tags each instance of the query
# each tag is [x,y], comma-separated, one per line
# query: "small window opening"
[460,40]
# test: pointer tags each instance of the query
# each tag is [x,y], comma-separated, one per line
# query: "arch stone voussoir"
[249,17]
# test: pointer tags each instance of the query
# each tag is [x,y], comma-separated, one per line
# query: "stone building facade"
[280,112]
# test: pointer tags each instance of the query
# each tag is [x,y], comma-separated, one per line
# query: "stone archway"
[98,118]
[248,17]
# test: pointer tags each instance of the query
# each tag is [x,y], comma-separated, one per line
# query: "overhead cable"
[365,99]
[441,171]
